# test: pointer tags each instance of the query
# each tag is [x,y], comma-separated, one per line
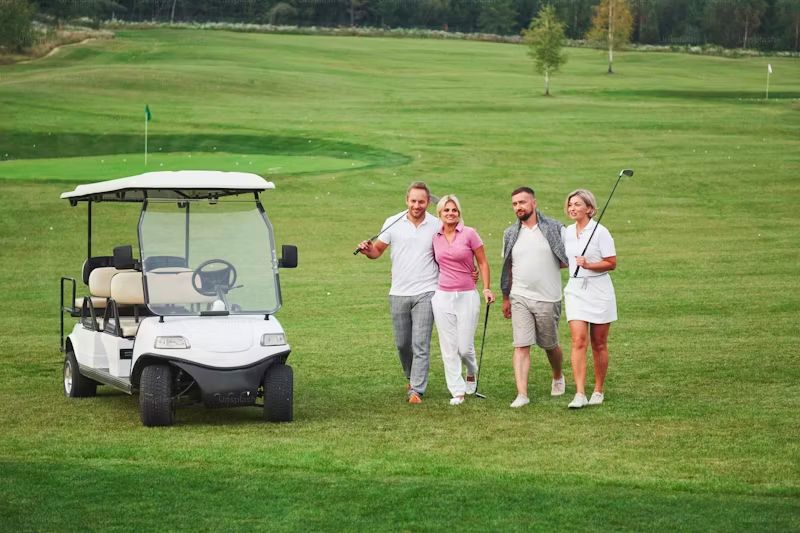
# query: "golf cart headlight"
[172,343]
[273,339]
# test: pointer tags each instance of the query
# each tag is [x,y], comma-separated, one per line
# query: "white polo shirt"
[414,270]
[602,245]
[535,269]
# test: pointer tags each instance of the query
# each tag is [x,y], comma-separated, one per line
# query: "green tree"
[748,15]
[497,16]
[790,13]
[281,13]
[611,25]
[734,22]
[545,39]
[16,30]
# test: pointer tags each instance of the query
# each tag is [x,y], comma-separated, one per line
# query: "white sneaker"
[520,401]
[558,387]
[458,400]
[472,386]
[578,402]
[597,398]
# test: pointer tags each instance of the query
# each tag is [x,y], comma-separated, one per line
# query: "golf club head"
[434,199]
[479,395]
[628,172]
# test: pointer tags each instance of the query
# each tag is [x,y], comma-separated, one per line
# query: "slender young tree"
[545,39]
[790,13]
[612,24]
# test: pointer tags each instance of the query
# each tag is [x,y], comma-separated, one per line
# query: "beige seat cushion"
[174,286]
[126,288]
[98,303]
[128,325]
[100,281]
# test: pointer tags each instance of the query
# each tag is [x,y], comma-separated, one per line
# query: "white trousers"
[456,315]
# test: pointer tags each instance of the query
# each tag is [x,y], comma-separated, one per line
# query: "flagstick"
[145,139]
[767,85]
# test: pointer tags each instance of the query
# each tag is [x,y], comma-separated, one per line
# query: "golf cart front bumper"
[229,387]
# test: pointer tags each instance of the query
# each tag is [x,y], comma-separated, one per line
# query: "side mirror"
[288,256]
[123,258]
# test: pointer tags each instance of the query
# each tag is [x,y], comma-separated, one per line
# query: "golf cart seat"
[173,286]
[99,282]
[127,290]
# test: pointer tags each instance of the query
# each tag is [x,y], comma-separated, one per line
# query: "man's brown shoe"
[414,398]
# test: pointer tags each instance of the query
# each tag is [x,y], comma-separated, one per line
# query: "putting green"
[103,167]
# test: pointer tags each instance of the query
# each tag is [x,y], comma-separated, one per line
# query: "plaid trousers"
[412,323]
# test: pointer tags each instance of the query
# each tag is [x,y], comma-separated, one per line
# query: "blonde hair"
[443,202]
[588,199]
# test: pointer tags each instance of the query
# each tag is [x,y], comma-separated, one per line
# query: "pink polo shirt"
[456,259]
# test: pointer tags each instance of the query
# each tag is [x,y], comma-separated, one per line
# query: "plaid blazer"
[551,228]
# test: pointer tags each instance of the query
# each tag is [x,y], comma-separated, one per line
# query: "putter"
[434,200]
[478,379]
[627,172]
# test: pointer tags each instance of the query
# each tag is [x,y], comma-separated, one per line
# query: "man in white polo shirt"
[533,254]
[415,276]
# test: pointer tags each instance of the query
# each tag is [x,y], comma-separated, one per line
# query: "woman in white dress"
[589,298]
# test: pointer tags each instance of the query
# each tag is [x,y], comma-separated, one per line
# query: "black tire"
[278,393]
[76,385]
[156,407]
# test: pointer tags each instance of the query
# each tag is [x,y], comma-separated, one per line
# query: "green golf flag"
[147,111]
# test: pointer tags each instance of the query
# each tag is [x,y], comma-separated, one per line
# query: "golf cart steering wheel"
[214,279]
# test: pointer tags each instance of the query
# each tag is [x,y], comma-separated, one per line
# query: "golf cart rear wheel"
[76,385]
[278,393]
[156,407]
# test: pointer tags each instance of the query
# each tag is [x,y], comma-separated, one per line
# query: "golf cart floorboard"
[103,376]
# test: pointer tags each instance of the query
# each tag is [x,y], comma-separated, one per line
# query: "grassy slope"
[698,432]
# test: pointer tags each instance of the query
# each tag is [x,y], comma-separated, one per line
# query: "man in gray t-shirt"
[533,255]
[415,276]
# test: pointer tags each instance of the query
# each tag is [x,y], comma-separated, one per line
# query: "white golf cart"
[191,322]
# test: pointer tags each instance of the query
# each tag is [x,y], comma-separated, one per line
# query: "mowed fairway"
[699,431]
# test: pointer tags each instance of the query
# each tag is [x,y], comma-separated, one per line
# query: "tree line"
[761,24]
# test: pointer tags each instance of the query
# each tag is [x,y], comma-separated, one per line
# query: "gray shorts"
[535,322]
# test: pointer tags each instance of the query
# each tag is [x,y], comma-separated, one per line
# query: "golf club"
[627,172]
[434,200]
[478,379]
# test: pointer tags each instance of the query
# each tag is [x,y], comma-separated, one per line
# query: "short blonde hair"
[588,199]
[443,202]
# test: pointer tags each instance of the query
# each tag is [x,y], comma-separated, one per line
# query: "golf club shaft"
[483,342]
[575,275]
[383,230]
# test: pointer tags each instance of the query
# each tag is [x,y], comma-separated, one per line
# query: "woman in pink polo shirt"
[456,304]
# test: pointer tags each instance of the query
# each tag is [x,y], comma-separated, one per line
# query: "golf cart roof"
[180,185]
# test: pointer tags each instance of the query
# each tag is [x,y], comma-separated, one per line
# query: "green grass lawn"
[699,430]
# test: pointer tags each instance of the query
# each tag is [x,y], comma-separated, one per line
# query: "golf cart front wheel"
[278,393]
[156,407]
[76,385]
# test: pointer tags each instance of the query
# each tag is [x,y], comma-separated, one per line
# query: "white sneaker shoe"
[520,401]
[558,387]
[458,400]
[596,399]
[472,386]
[578,402]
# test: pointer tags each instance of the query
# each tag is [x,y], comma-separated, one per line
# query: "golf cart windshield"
[208,257]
